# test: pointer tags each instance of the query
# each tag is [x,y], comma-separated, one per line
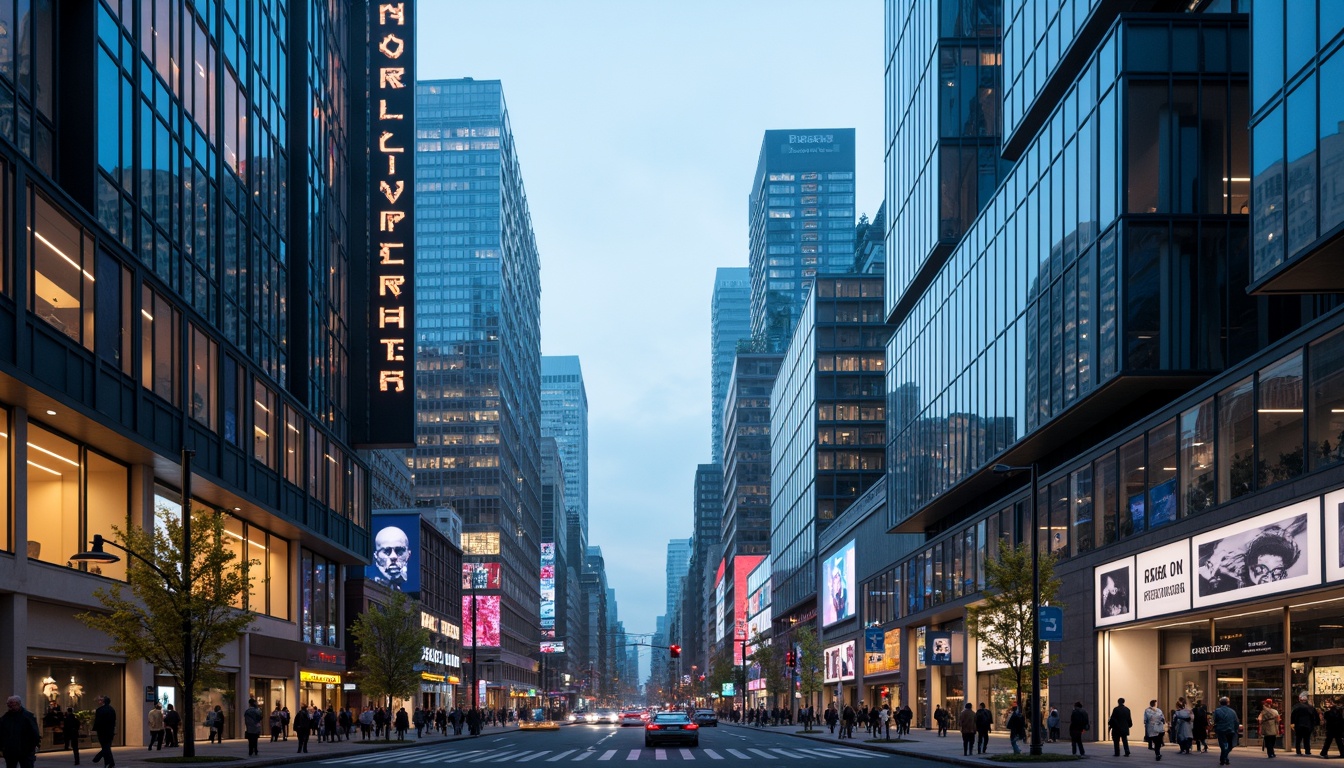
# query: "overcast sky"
[638,126]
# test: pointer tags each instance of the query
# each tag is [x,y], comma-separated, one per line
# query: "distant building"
[564,416]
[729,326]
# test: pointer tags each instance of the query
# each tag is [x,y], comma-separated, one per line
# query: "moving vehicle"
[671,727]
[633,717]
[705,718]
[602,716]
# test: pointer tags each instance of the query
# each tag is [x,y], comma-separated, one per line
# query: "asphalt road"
[612,745]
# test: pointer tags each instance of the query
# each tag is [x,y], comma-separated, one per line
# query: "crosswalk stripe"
[517,758]
[488,756]
[686,755]
[856,753]
[562,754]
[814,753]
[607,755]
[741,755]
[713,754]
[762,753]
[786,752]
[634,755]
[464,755]
[659,754]
[534,757]
[584,755]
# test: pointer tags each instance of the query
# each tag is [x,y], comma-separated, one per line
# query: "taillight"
[692,727]
[653,727]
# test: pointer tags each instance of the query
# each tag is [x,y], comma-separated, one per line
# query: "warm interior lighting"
[262,407]
[32,463]
[52,454]
[148,316]
[1280,410]
[61,253]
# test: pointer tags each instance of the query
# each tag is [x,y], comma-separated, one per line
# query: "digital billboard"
[480,576]
[890,658]
[838,577]
[396,552]
[485,630]
[838,662]
[548,585]
[553,646]
[824,149]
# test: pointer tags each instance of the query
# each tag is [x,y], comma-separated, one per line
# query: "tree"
[810,679]
[1002,623]
[149,623]
[390,642]
[770,658]
[721,671]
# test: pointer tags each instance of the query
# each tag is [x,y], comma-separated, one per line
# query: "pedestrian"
[303,725]
[1120,724]
[1079,724]
[403,724]
[171,720]
[884,717]
[365,723]
[19,735]
[418,719]
[252,718]
[831,718]
[1154,727]
[457,717]
[966,724]
[105,727]
[848,717]
[275,721]
[1052,724]
[1226,726]
[1183,726]
[1271,725]
[70,727]
[1201,726]
[379,722]
[1305,718]
[940,718]
[473,721]
[1334,726]
[907,716]
[329,723]
[344,722]
[155,720]
[1017,729]
[284,723]
[214,723]
[984,721]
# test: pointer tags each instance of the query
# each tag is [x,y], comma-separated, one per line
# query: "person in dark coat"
[329,723]
[831,718]
[1201,727]
[1079,724]
[1305,718]
[70,726]
[1120,722]
[966,724]
[984,720]
[473,722]
[403,724]
[1334,726]
[19,734]
[303,725]
[171,722]
[105,727]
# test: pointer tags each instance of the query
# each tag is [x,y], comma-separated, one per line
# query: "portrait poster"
[1265,555]
[1334,541]
[1114,590]
[396,553]
[838,577]
[838,662]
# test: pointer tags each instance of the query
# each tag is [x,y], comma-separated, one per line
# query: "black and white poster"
[1164,576]
[1334,542]
[1115,592]
[1265,555]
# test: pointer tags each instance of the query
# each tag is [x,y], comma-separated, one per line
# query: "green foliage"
[810,677]
[770,658]
[390,642]
[1002,623]
[148,623]
[720,671]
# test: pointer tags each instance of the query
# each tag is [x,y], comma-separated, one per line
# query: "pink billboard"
[487,621]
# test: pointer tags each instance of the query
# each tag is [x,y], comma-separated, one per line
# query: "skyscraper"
[802,224]
[678,560]
[564,416]
[729,323]
[478,372]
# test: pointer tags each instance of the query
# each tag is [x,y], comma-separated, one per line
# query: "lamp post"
[97,554]
[475,704]
[1004,469]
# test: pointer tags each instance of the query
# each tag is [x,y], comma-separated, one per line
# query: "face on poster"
[1164,577]
[1334,541]
[838,603]
[487,621]
[1115,592]
[396,542]
[838,662]
[1272,553]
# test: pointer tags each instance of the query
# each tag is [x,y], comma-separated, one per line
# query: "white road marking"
[607,755]
[659,754]
[763,753]
[686,755]
[786,752]
[634,755]
[713,754]
[559,756]
[584,755]
[741,755]
[534,757]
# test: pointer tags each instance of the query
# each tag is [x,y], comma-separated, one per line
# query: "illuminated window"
[62,274]
[480,543]
[265,558]
[203,378]
[73,493]
[293,446]
[264,438]
[160,346]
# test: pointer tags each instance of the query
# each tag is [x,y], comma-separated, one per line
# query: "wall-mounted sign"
[1334,541]
[838,662]
[889,659]
[1114,592]
[436,656]
[1327,681]
[325,678]
[1271,553]
[729,690]
[392,241]
[872,640]
[1164,576]
[553,646]
[940,648]
[1237,646]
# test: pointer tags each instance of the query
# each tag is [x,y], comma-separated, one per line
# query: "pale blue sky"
[638,126]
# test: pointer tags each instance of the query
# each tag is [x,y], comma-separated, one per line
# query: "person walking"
[1017,729]
[284,723]
[214,720]
[1120,723]
[1334,726]
[966,724]
[903,722]
[1183,726]
[1226,724]
[848,718]
[418,719]
[70,727]
[1154,727]
[884,722]
[1271,725]
[1201,727]
[105,727]
[984,720]
[403,724]
[276,722]
[329,723]
[252,718]
[171,721]
[1052,724]
[831,718]
[940,717]
[19,735]
[1305,718]
[1079,724]
[155,720]
[303,725]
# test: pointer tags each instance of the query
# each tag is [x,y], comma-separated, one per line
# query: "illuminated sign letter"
[385,253]
[396,10]
[393,316]
[392,47]
[387,220]
[390,283]
[394,347]
[390,77]
[382,143]
[383,114]
[391,192]
[395,379]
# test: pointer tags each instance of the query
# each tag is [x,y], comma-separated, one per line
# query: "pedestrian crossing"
[512,755]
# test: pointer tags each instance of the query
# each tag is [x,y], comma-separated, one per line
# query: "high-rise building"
[564,416]
[559,588]
[678,560]
[169,223]
[801,224]
[595,686]
[478,373]
[729,325]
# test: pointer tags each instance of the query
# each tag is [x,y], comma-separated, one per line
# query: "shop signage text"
[1236,647]
[436,656]
[325,678]
[326,657]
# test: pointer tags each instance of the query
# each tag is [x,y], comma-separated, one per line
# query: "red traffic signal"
[790,659]
[675,651]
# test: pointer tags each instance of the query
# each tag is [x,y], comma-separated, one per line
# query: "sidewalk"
[272,753]
[947,749]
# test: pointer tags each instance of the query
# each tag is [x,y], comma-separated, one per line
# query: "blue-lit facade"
[478,353]
[181,223]
[729,325]
[801,217]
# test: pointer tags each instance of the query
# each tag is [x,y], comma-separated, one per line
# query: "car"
[577,717]
[633,717]
[706,718]
[671,727]
[601,716]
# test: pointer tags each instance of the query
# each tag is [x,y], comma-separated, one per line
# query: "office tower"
[870,243]
[595,687]
[162,227]
[801,224]
[564,416]
[558,586]
[729,324]
[678,560]
[478,374]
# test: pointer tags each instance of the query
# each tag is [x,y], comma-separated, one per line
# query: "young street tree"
[810,679]
[770,658]
[391,642]
[1002,623]
[149,623]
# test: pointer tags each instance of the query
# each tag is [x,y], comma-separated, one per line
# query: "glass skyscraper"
[801,224]
[478,347]
[729,324]
[564,416]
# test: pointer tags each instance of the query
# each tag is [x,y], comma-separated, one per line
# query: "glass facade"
[478,336]
[564,416]
[729,324]
[746,450]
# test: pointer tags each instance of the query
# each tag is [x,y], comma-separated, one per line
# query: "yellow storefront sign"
[319,677]
[433,678]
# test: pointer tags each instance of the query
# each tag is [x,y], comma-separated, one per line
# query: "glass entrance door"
[1263,684]
[1231,682]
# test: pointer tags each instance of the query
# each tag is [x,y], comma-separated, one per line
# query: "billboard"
[485,631]
[1114,589]
[1163,576]
[940,648]
[480,576]
[548,585]
[553,646]
[396,552]
[838,662]
[1271,553]
[889,660]
[838,578]
[823,149]
[743,565]
[1334,542]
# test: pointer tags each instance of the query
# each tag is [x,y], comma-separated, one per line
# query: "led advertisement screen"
[838,662]
[396,553]
[486,625]
[480,576]
[548,585]
[838,576]
[553,646]
[889,660]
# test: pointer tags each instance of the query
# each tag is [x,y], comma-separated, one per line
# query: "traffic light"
[675,651]
[790,659]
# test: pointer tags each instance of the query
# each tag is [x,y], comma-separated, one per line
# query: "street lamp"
[1004,469]
[97,554]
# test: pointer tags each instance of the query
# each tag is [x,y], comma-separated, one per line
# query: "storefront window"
[1316,627]
[78,684]
[1255,634]
[1133,515]
[1235,441]
[1280,413]
[1327,398]
[1177,641]
[1197,458]
[1105,491]
[319,599]
[1080,505]
[62,519]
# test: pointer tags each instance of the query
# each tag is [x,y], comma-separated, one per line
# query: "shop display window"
[68,683]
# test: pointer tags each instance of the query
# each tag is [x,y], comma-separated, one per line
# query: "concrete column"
[244,683]
[18,474]
[14,643]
